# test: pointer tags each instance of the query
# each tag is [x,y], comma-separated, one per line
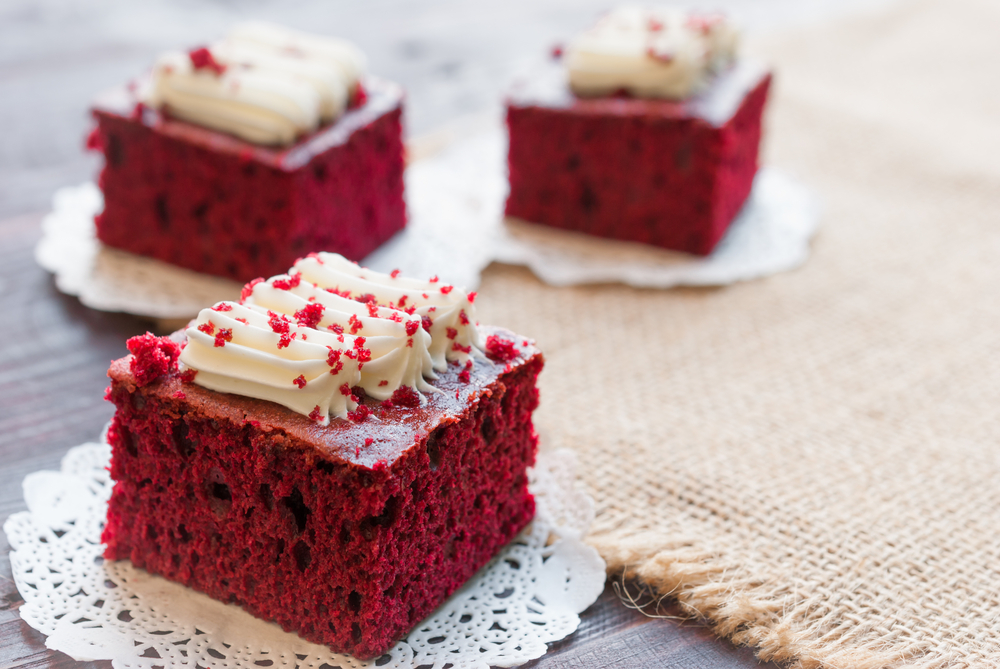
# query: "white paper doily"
[529,595]
[455,201]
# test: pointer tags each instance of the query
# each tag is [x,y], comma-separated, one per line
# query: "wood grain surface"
[53,362]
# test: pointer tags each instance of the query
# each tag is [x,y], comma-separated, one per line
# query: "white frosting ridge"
[297,339]
[654,53]
[264,83]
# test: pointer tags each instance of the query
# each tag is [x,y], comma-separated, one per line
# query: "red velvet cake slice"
[654,139]
[237,159]
[352,523]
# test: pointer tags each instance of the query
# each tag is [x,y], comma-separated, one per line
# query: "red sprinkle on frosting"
[451,332]
[458,347]
[202,59]
[355,324]
[394,273]
[310,315]
[287,284]
[316,414]
[224,335]
[447,289]
[207,327]
[248,289]
[411,328]
[333,359]
[222,306]
[345,390]
[300,381]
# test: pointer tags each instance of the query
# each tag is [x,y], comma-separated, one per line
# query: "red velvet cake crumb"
[348,533]
[501,349]
[202,59]
[152,357]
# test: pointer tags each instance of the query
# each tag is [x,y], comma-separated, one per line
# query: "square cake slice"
[237,158]
[348,531]
[625,164]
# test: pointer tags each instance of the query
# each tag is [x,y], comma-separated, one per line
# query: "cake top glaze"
[264,83]
[307,338]
[661,53]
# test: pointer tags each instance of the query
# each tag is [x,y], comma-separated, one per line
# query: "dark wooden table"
[54,355]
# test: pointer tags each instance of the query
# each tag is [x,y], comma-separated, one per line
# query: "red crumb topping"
[372,309]
[179,395]
[315,256]
[287,284]
[310,315]
[279,322]
[187,376]
[367,298]
[248,289]
[355,324]
[336,328]
[300,381]
[411,328]
[316,414]
[451,332]
[208,328]
[94,140]
[222,306]
[500,349]
[426,322]
[465,375]
[345,390]
[286,339]
[458,347]
[360,95]
[402,301]
[202,59]
[224,335]
[405,396]
[396,317]
[433,279]
[472,296]
[152,357]
[360,414]
[394,273]
[447,289]
[557,51]
[337,291]
[333,359]
[462,318]
[243,320]
[369,441]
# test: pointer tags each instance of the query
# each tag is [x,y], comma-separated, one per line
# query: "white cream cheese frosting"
[263,83]
[305,339]
[653,53]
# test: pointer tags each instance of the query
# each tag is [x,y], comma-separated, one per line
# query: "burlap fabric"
[812,461]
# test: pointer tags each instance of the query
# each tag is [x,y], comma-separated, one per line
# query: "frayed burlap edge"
[748,611]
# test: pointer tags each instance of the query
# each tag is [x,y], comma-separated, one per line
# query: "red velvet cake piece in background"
[348,523]
[653,139]
[237,159]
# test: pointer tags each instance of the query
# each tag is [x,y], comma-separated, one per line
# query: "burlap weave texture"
[812,460]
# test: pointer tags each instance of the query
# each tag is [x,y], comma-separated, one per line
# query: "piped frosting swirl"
[264,83]
[307,338]
[654,53]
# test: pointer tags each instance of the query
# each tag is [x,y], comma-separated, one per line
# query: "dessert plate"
[529,595]
[455,199]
